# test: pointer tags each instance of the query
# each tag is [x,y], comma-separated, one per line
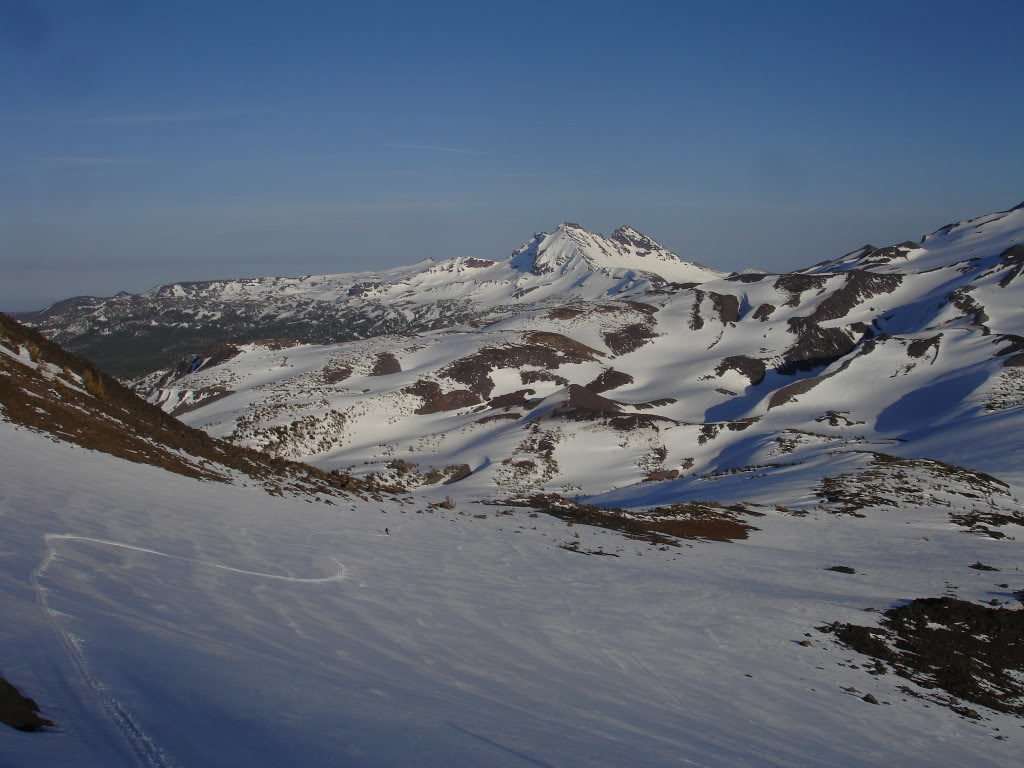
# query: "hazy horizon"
[144,144]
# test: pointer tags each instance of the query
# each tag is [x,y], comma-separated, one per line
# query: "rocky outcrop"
[435,400]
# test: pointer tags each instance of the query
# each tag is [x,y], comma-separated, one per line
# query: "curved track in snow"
[146,751]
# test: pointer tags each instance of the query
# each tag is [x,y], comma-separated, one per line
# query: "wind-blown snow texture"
[164,620]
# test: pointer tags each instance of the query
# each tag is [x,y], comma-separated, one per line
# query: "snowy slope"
[164,621]
[588,396]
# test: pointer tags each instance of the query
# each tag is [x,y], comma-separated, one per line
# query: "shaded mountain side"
[49,390]
[129,335]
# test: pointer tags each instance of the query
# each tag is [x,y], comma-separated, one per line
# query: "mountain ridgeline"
[129,335]
[580,342]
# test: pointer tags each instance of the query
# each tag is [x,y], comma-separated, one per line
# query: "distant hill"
[130,335]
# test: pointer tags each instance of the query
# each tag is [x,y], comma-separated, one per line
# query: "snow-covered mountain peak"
[632,237]
[571,246]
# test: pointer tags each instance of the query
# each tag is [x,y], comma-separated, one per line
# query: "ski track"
[146,751]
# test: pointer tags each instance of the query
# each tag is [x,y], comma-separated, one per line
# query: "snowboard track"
[147,753]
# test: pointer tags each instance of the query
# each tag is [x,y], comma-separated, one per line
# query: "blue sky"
[144,142]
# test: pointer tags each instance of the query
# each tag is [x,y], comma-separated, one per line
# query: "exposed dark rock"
[709,432]
[648,309]
[662,474]
[498,417]
[727,306]
[585,405]
[815,347]
[545,350]
[858,286]
[630,421]
[1014,347]
[628,339]
[585,399]
[511,399]
[918,347]
[838,419]
[564,313]
[663,525]
[841,569]
[363,289]
[763,312]
[457,472]
[872,257]
[661,401]
[572,349]
[973,311]
[385,365]
[740,424]
[609,379]
[335,374]
[1013,262]
[533,377]
[980,566]
[750,367]
[220,352]
[795,285]
[747,277]
[971,652]
[435,400]
[200,398]
[885,483]
[629,236]
[19,712]
[696,321]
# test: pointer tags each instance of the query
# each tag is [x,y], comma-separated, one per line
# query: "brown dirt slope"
[68,398]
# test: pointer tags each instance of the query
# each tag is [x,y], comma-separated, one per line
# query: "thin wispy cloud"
[81,161]
[434,148]
[161,117]
[330,217]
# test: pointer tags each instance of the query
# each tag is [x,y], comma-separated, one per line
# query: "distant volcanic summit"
[570,246]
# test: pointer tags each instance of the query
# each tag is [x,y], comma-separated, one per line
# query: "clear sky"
[147,141]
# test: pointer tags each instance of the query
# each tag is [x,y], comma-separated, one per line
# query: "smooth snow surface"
[164,621]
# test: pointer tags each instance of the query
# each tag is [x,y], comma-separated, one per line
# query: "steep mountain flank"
[51,391]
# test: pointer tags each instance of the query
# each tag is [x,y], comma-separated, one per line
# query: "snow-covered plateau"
[630,517]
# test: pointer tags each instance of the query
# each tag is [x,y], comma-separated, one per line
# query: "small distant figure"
[387,532]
